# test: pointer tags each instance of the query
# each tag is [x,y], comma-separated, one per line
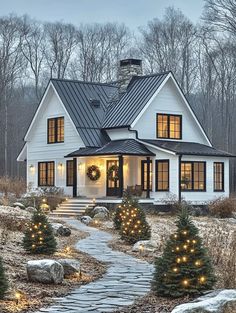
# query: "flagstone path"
[126,279]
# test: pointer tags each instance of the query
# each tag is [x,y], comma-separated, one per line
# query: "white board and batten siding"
[38,150]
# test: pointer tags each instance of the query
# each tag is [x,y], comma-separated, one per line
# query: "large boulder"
[219,301]
[19,205]
[45,271]
[71,266]
[144,246]
[102,216]
[31,209]
[60,230]
[101,209]
[86,219]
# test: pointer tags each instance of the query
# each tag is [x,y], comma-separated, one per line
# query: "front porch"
[124,167]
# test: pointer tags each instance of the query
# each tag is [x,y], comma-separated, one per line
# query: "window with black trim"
[56,130]
[218,176]
[193,176]
[144,175]
[69,173]
[46,173]
[162,175]
[169,126]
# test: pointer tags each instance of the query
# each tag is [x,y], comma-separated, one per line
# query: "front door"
[112,178]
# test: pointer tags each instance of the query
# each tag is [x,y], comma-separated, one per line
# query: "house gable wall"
[169,101]
[37,148]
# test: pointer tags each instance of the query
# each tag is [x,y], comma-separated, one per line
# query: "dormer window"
[169,126]
[56,130]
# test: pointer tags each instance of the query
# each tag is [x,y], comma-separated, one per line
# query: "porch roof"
[115,147]
[188,148]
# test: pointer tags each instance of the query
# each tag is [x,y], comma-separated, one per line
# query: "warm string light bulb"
[202,279]
[185,282]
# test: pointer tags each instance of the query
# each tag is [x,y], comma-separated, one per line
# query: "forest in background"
[202,57]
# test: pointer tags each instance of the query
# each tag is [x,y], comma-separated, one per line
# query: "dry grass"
[222,207]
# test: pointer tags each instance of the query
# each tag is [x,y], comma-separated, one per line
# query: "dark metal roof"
[139,92]
[124,147]
[77,96]
[187,148]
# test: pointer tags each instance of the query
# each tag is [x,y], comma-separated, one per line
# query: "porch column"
[121,176]
[148,177]
[180,190]
[74,177]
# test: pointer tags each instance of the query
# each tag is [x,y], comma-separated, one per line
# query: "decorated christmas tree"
[134,226]
[184,267]
[39,237]
[121,212]
[3,281]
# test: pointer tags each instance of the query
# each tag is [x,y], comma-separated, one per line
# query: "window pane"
[56,130]
[69,172]
[162,175]
[51,130]
[218,176]
[46,174]
[162,126]
[60,129]
[186,176]
[175,122]
[144,175]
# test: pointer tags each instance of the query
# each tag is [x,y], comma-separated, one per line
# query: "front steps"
[72,208]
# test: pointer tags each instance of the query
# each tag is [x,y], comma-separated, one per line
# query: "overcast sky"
[132,12]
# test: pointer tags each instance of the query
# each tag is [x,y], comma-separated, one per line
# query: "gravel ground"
[37,295]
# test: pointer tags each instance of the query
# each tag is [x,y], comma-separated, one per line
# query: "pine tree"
[134,226]
[3,281]
[184,267]
[120,213]
[39,237]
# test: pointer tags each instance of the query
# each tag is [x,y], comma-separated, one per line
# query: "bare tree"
[61,42]
[11,63]
[33,49]
[167,44]
[221,14]
[99,48]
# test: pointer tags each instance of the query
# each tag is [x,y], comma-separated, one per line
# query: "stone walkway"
[126,279]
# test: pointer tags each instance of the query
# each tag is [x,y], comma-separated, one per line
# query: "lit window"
[46,174]
[69,173]
[218,176]
[169,126]
[56,130]
[193,176]
[144,175]
[162,175]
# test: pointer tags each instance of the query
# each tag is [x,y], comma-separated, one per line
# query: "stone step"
[79,205]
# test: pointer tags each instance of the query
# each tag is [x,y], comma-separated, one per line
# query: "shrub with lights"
[3,281]
[39,237]
[132,221]
[184,268]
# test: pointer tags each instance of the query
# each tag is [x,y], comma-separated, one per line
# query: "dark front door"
[112,181]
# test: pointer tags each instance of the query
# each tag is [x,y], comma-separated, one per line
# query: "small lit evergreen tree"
[3,281]
[120,213]
[134,226]
[39,237]
[184,267]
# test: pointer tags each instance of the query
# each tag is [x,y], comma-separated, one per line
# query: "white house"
[95,139]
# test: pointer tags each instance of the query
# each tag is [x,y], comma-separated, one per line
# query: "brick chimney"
[128,68]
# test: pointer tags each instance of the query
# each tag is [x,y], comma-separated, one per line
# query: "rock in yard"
[101,209]
[145,246]
[70,266]
[45,271]
[60,230]
[19,205]
[219,301]
[101,216]
[86,219]
[31,209]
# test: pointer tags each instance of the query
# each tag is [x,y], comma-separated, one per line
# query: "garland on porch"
[93,172]
[113,173]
